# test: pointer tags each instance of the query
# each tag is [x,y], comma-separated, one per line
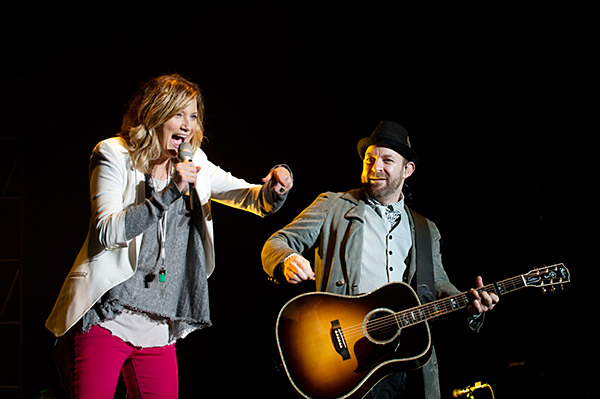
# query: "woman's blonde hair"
[157,101]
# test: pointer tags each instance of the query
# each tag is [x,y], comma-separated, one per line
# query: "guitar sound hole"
[380,326]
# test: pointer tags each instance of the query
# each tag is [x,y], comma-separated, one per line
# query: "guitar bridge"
[339,341]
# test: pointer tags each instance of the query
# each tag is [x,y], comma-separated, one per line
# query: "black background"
[495,100]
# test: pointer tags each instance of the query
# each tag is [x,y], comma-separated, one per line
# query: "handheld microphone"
[468,390]
[185,154]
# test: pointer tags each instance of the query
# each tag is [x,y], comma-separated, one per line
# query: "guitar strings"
[422,313]
[419,314]
[395,322]
[425,312]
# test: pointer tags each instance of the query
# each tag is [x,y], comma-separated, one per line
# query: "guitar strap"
[425,282]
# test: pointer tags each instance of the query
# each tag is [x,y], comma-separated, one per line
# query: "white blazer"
[107,258]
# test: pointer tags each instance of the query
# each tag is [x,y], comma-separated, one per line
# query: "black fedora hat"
[390,135]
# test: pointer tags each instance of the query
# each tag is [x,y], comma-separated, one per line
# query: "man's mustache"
[377,176]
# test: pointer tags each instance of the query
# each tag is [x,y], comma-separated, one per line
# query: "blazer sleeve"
[107,183]
[238,193]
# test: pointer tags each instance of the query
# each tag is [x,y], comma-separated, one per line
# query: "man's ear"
[409,169]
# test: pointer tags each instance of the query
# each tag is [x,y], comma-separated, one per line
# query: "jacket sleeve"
[107,182]
[443,286]
[117,223]
[238,193]
[298,236]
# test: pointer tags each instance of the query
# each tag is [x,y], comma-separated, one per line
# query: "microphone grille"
[185,153]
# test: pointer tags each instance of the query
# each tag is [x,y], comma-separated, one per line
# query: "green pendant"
[162,275]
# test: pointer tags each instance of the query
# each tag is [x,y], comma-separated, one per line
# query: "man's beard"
[380,191]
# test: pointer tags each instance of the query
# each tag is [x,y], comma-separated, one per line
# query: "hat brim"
[401,148]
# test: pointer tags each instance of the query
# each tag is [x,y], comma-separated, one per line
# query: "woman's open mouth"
[177,139]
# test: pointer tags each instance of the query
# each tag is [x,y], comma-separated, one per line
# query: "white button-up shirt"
[385,247]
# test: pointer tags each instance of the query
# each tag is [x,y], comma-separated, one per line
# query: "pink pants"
[91,363]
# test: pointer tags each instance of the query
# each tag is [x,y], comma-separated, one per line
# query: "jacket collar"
[356,197]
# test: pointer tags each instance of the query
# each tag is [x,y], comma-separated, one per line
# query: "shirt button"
[391,237]
[391,253]
[391,269]
[339,283]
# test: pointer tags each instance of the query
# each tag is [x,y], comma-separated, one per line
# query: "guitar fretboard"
[552,276]
[422,313]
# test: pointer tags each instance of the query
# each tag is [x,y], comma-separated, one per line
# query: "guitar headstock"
[548,276]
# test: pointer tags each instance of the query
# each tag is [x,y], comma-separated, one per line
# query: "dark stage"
[493,101]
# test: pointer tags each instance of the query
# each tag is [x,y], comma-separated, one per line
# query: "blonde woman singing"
[139,282]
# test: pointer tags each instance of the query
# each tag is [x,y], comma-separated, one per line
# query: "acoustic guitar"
[336,346]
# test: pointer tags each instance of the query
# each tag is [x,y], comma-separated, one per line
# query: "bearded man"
[366,238]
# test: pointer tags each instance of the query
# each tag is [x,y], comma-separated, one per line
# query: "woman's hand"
[281,180]
[185,174]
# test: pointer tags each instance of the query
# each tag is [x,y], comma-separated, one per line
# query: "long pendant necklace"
[162,231]
[162,239]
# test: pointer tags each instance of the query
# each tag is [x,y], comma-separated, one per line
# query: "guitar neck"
[440,307]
